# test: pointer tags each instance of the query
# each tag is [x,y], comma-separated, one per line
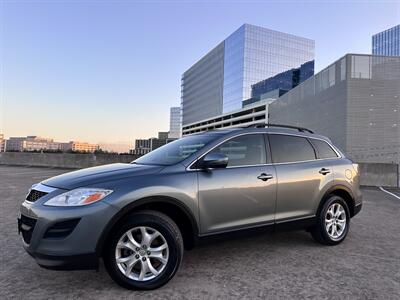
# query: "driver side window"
[245,150]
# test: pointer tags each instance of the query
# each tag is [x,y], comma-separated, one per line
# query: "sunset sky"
[108,71]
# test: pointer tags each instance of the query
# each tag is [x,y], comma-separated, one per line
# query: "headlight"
[78,197]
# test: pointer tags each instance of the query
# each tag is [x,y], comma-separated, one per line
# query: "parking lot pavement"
[394,191]
[278,265]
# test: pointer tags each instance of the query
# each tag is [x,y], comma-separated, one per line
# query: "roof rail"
[262,125]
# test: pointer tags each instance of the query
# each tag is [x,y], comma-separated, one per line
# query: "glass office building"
[282,82]
[387,42]
[222,79]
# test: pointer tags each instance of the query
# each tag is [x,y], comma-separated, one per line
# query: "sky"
[108,71]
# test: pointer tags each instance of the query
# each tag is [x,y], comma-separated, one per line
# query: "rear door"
[301,177]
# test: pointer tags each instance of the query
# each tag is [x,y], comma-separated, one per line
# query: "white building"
[31,143]
[35,143]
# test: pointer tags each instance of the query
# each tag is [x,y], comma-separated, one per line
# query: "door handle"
[265,177]
[324,171]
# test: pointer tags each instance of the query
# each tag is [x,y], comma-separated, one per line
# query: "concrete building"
[355,101]
[175,123]
[222,79]
[387,42]
[35,143]
[2,143]
[142,147]
[31,143]
[251,114]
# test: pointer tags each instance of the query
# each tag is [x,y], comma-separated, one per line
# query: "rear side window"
[287,148]
[324,150]
[245,150]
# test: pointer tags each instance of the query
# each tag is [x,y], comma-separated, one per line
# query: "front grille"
[27,226]
[35,195]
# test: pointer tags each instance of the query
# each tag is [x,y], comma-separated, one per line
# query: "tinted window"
[323,149]
[244,150]
[176,151]
[286,148]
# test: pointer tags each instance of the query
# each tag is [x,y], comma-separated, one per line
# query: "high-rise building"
[222,79]
[282,82]
[387,42]
[175,123]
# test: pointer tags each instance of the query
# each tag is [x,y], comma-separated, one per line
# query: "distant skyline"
[108,71]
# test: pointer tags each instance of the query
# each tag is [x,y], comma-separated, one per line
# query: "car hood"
[99,174]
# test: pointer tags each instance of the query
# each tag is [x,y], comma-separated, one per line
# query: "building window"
[331,75]
[343,69]
[360,67]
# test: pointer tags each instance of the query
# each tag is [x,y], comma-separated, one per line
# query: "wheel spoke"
[329,226]
[124,259]
[330,212]
[334,232]
[128,270]
[153,237]
[132,239]
[126,245]
[159,248]
[339,212]
[159,256]
[151,268]
[146,237]
[144,269]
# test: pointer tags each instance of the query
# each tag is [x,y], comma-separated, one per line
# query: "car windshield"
[176,151]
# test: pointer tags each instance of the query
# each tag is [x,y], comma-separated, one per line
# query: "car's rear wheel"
[333,222]
[145,251]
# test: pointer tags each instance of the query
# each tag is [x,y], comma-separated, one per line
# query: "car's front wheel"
[145,251]
[333,221]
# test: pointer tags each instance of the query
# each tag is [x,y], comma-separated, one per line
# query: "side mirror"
[214,160]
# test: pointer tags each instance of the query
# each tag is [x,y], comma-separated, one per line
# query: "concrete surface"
[374,174]
[279,265]
[62,160]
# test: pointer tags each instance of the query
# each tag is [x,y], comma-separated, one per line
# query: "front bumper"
[88,261]
[64,237]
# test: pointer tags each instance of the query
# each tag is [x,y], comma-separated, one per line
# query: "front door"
[244,193]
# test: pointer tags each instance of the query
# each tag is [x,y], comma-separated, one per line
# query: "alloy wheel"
[335,221]
[142,253]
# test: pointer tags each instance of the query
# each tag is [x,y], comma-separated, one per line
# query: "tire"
[165,262]
[325,234]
